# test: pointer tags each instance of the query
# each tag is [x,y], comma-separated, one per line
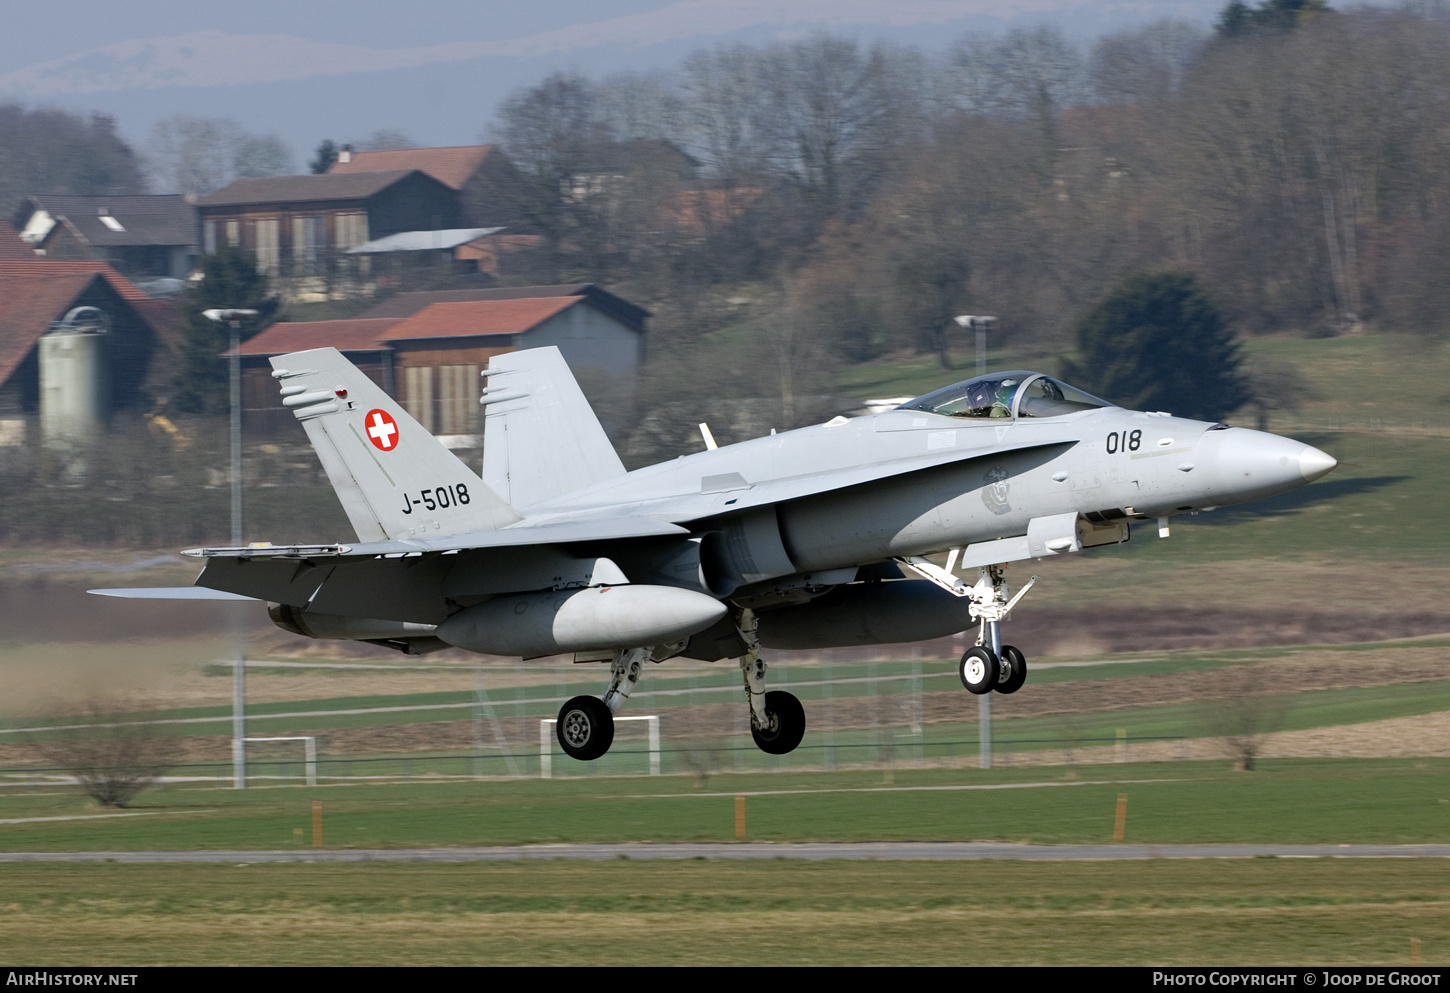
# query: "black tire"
[978,670]
[1016,665]
[585,729]
[787,724]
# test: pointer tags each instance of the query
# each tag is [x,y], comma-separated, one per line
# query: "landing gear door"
[1092,534]
[1056,535]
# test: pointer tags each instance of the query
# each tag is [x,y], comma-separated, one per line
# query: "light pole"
[239,663]
[981,325]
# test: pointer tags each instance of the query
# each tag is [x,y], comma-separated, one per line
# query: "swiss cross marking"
[382,430]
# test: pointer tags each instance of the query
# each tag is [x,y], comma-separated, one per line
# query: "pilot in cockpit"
[991,398]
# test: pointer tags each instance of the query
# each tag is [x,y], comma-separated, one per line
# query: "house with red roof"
[427,349]
[36,294]
[453,166]
[293,226]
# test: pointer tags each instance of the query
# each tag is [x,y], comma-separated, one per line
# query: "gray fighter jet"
[794,540]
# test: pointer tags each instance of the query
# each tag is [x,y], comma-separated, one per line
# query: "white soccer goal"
[547,741]
[309,749]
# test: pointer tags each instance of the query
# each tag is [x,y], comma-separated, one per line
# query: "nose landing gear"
[989,665]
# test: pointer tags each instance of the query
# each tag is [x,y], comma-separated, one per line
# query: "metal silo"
[75,393]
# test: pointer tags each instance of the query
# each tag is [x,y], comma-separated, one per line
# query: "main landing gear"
[777,719]
[585,728]
[990,665]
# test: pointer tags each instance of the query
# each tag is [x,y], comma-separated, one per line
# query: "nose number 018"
[1124,441]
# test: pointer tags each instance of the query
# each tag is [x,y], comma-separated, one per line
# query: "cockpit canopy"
[1006,394]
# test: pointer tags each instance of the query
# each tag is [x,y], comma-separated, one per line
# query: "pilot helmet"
[981,395]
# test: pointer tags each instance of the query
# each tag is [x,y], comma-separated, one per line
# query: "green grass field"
[1285,801]
[703,911]
[1151,913]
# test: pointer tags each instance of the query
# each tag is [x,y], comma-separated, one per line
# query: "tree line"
[784,209]
[1291,160]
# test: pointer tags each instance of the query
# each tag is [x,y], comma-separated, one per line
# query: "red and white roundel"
[382,430]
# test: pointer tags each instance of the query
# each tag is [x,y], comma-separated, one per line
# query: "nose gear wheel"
[1012,670]
[978,670]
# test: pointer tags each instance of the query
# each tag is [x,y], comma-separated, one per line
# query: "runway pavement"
[884,850]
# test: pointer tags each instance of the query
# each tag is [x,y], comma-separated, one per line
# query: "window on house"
[208,238]
[234,233]
[267,248]
[352,229]
[308,242]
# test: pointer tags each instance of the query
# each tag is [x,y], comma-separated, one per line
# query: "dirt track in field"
[705,725]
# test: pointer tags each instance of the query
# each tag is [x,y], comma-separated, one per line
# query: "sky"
[436,70]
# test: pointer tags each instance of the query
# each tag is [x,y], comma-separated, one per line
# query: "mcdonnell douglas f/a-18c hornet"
[794,540]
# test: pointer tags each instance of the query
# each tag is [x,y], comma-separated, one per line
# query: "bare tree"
[640,105]
[1145,65]
[1240,716]
[727,114]
[112,758]
[550,132]
[260,155]
[202,154]
[192,154]
[1296,156]
[1027,74]
[829,118]
[54,151]
[1274,385]
[385,139]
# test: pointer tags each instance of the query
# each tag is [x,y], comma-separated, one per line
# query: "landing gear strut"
[991,665]
[777,719]
[586,724]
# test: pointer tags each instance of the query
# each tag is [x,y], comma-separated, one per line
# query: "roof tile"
[27,308]
[11,247]
[292,189]
[295,336]
[479,317]
[450,166]
[41,268]
[150,219]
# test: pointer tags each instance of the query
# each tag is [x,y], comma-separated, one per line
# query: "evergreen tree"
[1238,19]
[229,280]
[1156,342]
[326,156]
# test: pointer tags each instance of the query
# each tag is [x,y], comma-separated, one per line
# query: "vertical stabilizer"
[541,438]
[395,480]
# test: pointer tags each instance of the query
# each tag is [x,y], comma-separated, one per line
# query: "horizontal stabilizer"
[262,550]
[557,533]
[172,593]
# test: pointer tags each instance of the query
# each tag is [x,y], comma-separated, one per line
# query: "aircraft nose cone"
[1313,463]
[1242,465]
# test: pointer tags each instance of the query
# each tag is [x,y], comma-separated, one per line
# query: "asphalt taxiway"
[856,851]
